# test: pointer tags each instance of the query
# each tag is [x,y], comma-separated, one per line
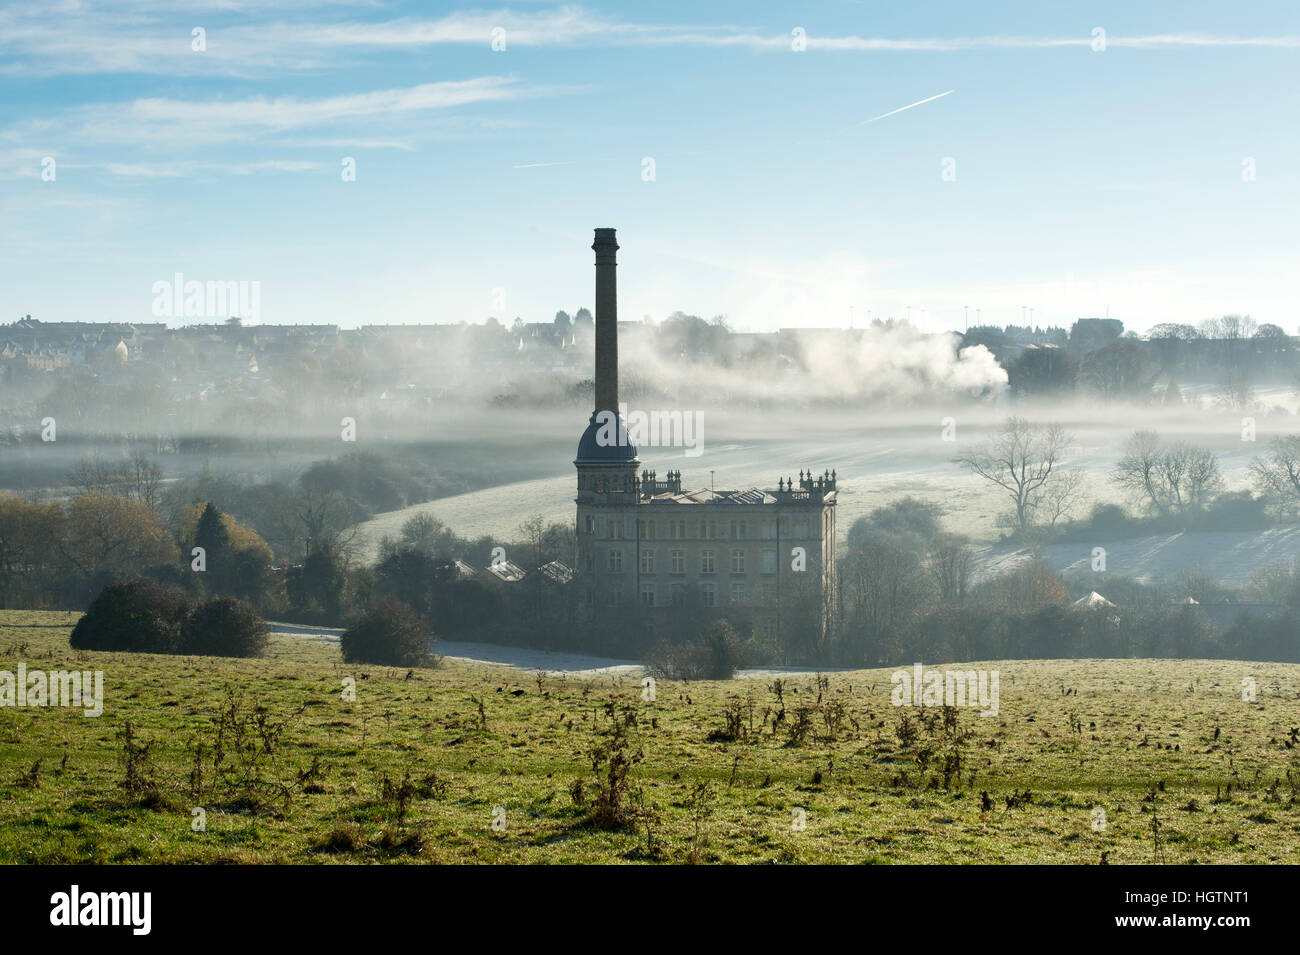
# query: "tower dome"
[606,442]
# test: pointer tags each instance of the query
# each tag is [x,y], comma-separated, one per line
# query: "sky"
[761,161]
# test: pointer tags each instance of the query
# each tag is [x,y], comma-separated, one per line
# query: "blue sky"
[1085,180]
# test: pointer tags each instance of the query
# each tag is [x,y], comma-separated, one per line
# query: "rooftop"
[749,495]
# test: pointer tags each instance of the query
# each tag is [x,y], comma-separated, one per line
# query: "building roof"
[749,495]
[1092,601]
[507,570]
[558,571]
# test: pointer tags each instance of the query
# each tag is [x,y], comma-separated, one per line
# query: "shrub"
[389,634]
[344,837]
[612,762]
[715,656]
[724,651]
[1234,511]
[676,661]
[142,615]
[1111,520]
[225,627]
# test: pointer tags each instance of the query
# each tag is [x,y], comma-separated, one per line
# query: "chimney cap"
[605,237]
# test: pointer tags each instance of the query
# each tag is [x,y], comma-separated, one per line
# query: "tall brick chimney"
[606,248]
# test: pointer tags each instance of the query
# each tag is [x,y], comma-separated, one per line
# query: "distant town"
[547,363]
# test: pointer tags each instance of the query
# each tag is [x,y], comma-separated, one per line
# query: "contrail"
[901,108]
[534,165]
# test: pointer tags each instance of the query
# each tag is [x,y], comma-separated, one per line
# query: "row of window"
[617,528]
[677,595]
[677,561]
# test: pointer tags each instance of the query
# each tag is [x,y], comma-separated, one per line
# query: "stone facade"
[648,545]
[651,552]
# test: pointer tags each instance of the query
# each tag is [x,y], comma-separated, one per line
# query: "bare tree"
[1233,327]
[93,475]
[1020,460]
[884,588]
[1277,473]
[1058,498]
[137,477]
[1238,359]
[1275,583]
[1173,479]
[949,565]
[144,479]
[326,520]
[1137,470]
[1191,475]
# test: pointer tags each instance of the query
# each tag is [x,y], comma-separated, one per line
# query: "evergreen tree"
[213,536]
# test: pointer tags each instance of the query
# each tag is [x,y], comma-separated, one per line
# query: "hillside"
[414,770]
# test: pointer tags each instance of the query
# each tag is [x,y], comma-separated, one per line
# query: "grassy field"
[422,763]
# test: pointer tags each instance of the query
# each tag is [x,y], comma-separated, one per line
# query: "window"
[616,528]
[708,530]
[677,594]
[737,561]
[769,562]
[591,524]
[801,528]
[738,530]
[768,593]
[738,593]
[600,485]
[590,561]
[647,529]
[769,530]
[709,595]
[648,561]
[677,530]
[616,562]
[706,562]
[647,595]
[679,562]
[769,628]
[614,596]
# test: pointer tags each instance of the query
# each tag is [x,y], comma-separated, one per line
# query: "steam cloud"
[888,361]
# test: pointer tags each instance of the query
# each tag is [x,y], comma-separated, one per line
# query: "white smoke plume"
[894,362]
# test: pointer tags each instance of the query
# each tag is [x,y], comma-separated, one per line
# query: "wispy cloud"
[156,120]
[185,169]
[88,135]
[146,37]
[355,143]
[224,119]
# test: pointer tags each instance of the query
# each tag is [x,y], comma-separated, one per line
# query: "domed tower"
[607,461]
